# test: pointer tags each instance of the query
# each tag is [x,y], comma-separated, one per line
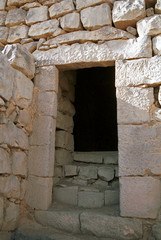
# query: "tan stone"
[5,163]
[63,156]
[23,188]
[71,22]
[31,47]
[158,7]
[15,17]
[66,107]
[20,59]
[139,197]
[39,192]
[10,186]
[131,30]
[48,2]
[24,119]
[2,4]
[89,20]
[64,122]
[127,13]
[17,33]
[2,17]
[80,4]
[3,35]
[157,45]
[26,40]
[38,14]
[19,163]
[60,9]
[64,140]
[1,210]
[18,2]
[28,6]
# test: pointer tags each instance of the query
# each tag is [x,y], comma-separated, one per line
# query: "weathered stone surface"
[89,20]
[28,6]
[134,104]
[87,157]
[68,195]
[158,7]
[110,157]
[3,34]
[58,172]
[70,170]
[15,17]
[20,59]
[63,156]
[18,2]
[157,114]
[106,173]
[102,225]
[149,26]
[111,197]
[10,186]
[157,231]
[149,12]
[131,30]
[38,14]
[90,199]
[61,8]
[64,140]
[157,45]
[90,54]
[23,90]
[24,119]
[138,72]
[71,22]
[2,17]
[127,13]
[88,172]
[31,47]
[5,235]
[1,210]
[80,4]
[44,29]
[39,192]
[65,106]
[64,122]
[139,197]
[19,163]
[17,33]
[11,216]
[5,163]
[2,4]
[103,34]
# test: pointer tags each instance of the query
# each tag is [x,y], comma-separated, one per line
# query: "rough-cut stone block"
[38,14]
[134,104]
[71,22]
[70,170]
[156,229]
[15,17]
[106,173]
[149,12]
[91,22]
[2,4]
[149,26]
[138,72]
[110,157]
[64,122]
[80,4]
[5,162]
[111,197]
[19,163]
[65,106]
[131,30]
[139,197]
[64,140]
[102,225]
[68,195]
[1,210]
[44,29]
[10,186]
[2,17]
[127,13]
[17,33]
[60,9]
[139,149]
[28,6]
[63,156]
[90,54]
[31,47]
[88,172]
[158,7]
[18,2]
[90,199]
[39,192]
[3,35]
[87,157]
[157,45]
[20,59]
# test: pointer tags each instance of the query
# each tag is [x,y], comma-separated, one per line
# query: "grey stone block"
[110,157]
[90,199]
[111,197]
[106,173]
[66,194]
[88,172]
[87,157]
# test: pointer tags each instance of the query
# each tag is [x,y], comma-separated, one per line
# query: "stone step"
[100,223]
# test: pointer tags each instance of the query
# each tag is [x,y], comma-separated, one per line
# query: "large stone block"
[138,72]
[103,13]
[19,163]
[3,35]
[2,4]
[134,104]
[64,140]
[111,197]
[61,8]
[39,192]
[64,122]
[37,14]
[15,17]
[10,186]
[110,157]
[20,59]
[127,13]
[68,195]
[17,33]
[88,172]
[106,173]
[80,4]
[63,157]
[140,197]
[70,170]
[87,157]
[71,22]
[90,199]
[139,149]
[5,162]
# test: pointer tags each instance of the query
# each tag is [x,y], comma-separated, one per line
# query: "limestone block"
[88,172]
[17,33]
[157,45]
[19,163]
[63,156]
[58,172]
[87,157]
[149,12]
[61,8]
[158,7]
[24,119]
[111,197]
[64,122]
[70,170]
[11,217]
[41,160]
[43,131]
[2,4]
[38,14]
[91,22]
[5,163]
[157,114]
[90,199]
[15,17]
[18,2]
[138,72]
[113,227]
[128,13]
[131,30]
[31,47]
[103,34]
[156,229]
[28,6]
[47,79]
[68,195]
[110,157]
[39,192]
[20,59]
[106,173]
[71,22]
[91,54]
[139,149]
[139,197]
[3,34]
[80,4]
[1,210]
[10,186]
[23,90]
[44,29]
[149,26]
[2,17]
[64,140]
[66,107]
[134,104]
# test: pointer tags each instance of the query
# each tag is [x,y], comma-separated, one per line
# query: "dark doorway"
[95,122]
